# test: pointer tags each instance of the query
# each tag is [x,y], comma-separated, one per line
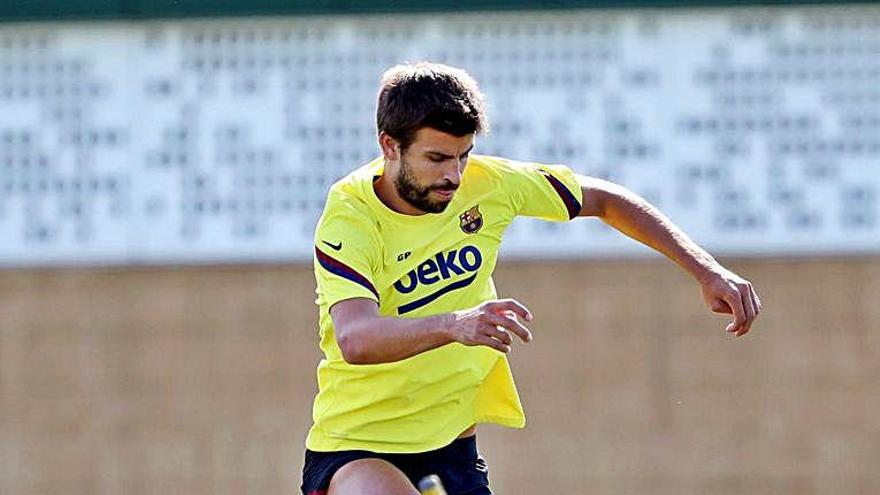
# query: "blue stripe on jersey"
[339,268]
[418,303]
[571,203]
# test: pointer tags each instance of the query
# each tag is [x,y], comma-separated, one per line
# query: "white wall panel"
[756,130]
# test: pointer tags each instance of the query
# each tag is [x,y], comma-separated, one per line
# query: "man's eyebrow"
[444,155]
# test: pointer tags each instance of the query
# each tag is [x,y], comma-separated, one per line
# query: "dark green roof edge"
[55,10]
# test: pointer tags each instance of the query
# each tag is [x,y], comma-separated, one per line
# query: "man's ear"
[390,147]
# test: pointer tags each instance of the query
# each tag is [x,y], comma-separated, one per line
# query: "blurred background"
[163,164]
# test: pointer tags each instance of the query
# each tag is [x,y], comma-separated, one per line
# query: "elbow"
[353,350]
[597,196]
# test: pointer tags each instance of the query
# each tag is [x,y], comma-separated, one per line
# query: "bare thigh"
[370,477]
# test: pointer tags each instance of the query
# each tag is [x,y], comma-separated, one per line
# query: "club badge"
[471,220]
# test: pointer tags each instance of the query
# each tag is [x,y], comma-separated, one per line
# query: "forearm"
[389,339]
[723,290]
[632,215]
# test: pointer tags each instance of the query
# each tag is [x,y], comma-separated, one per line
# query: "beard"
[417,195]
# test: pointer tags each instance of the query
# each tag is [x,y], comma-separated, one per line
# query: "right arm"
[364,337]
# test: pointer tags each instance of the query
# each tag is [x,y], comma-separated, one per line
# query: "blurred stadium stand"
[216,140]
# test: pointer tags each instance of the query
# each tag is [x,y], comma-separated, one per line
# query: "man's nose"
[453,172]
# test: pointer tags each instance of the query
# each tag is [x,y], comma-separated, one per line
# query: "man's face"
[430,169]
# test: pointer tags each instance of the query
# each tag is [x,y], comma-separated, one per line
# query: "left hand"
[728,293]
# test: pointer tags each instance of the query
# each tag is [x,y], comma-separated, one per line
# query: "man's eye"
[436,159]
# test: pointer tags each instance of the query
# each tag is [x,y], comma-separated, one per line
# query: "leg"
[461,468]
[370,477]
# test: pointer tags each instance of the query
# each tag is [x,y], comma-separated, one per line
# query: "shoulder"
[495,166]
[346,209]
[348,194]
[505,174]
[493,172]
[500,168]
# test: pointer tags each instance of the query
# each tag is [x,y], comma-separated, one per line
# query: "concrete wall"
[200,380]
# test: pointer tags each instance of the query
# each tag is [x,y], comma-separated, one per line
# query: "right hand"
[488,324]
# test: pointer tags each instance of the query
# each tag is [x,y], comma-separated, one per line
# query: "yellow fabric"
[424,402]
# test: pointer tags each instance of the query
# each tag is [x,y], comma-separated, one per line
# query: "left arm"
[723,290]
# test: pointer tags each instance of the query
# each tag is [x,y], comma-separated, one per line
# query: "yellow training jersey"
[415,266]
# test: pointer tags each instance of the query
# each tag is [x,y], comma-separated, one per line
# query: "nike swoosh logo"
[334,246]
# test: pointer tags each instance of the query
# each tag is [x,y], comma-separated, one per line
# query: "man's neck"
[387,194]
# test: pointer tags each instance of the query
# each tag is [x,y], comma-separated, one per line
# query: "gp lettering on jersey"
[440,267]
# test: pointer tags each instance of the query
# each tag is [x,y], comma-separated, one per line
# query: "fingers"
[495,322]
[498,334]
[502,305]
[727,292]
[745,304]
[493,343]
[719,306]
[756,300]
[749,307]
[751,296]
[510,323]
[733,299]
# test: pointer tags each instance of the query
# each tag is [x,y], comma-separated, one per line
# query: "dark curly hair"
[429,95]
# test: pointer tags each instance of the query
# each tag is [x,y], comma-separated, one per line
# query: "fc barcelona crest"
[471,220]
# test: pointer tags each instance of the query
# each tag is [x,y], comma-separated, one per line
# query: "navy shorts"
[461,468]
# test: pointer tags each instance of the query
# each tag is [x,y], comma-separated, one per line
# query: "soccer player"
[413,333]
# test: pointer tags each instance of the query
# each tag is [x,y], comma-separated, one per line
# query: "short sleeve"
[550,192]
[346,254]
